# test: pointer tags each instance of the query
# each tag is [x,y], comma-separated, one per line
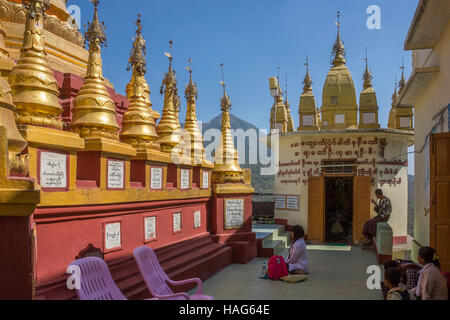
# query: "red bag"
[277,268]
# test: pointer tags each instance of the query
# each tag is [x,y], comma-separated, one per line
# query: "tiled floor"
[334,275]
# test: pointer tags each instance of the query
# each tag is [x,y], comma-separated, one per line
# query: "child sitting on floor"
[297,262]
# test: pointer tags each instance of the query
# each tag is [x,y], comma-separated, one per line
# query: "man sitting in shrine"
[383,209]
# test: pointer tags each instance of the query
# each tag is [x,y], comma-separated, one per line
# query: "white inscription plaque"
[150,228]
[185,179]
[197,219]
[234,213]
[368,118]
[116,171]
[280,202]
[405,122]
[176,222]
[339,119]
[292,203]
[156,178]
[112,236]
[53,170]
[308,120]
[205,180]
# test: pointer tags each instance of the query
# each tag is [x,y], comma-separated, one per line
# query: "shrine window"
[339,166]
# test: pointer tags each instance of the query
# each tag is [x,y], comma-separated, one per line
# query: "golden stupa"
[226,160]
[290,123]
[139,122]
[368,104]
[278,114]
[94,112]
[309,115]
[34,87]
[169,129]
[339,106]
[191,124]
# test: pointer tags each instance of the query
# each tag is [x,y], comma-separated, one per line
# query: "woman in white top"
[297,261]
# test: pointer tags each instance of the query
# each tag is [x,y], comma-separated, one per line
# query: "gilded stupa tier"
[309,116]
[169,129]
[94,113]
[191,124]
[139,122]
[339,105]
[34,87]
[226,161]
[368,105]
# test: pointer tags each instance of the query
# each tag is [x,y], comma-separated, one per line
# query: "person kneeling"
[297,262]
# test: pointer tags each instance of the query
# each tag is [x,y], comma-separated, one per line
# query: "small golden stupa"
[309,115]
[139,122]
[34,87]
[226,160]
[290,124]
[169,129]
[191,124]
[368,104]
[94,112]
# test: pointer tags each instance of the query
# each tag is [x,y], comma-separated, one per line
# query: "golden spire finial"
[395,95]
[226,162]
[94,112]
[402,82]
[139,122]
[167,127]
[367,74]
[34,87]
[307,82]
[338,47]
[191,124]
[191,87]
[225,102]
[139,50]
[286,92]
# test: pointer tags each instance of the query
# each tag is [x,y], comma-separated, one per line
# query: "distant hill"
[262,184]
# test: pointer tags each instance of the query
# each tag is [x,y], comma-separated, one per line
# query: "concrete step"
[272,239]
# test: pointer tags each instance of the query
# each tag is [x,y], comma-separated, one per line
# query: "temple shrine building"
[331,165]
[85,171]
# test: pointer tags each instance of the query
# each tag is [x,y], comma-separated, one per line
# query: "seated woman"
[297,262]
[432,284]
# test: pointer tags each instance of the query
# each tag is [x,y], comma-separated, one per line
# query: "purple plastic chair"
[96,281]
[157,280]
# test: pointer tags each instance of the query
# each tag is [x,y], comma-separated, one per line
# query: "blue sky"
[252,38]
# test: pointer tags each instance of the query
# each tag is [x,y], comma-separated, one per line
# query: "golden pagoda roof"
[339,88]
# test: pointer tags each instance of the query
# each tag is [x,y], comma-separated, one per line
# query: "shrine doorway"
[339,209]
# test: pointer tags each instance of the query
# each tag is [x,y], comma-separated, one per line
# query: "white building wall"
[301,155]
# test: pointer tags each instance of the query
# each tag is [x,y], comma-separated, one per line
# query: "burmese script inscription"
[116,170]
[234,213]
[53,170]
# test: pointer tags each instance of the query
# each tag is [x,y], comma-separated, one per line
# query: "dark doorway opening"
[339,209]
